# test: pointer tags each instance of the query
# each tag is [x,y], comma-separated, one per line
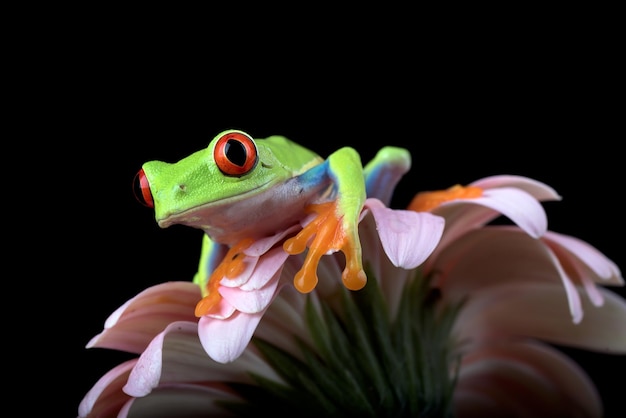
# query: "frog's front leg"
[335,225]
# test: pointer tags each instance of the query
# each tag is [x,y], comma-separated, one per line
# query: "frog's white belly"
[230,220]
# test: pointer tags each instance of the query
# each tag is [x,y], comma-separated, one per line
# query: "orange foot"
[324,234]
[231,266]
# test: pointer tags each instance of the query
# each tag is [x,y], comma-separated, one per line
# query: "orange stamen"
[426,201]
[323,234]
[231,266]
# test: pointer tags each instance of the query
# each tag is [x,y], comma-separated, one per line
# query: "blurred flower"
[466,331]
[518,285]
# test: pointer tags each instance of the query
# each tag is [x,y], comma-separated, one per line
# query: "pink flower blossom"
[518,288]
[226,328]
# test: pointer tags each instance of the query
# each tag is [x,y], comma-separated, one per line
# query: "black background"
[526,100]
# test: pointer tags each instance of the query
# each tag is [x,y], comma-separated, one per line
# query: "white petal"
[267,267]
[225,340]
[251,301]
[537,189]
[520,207]
[408,237]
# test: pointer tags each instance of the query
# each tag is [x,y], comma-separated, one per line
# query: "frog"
[240,189]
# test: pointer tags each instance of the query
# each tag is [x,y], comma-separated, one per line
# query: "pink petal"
[463,215]
[242,278]
[573,298]
[258,269]
[538,310]
[251,301]
[261,246]
[222,310]
[225,339]
[604,270]
[380,266]
[146,374]
[177,356]
[131,327]
[497,255]
[518,206]
[408,237]
[537,189]
[267,267]
[523,379]
[585,264]
[106,397]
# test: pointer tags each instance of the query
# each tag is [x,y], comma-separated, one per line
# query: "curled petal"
[176,356]
[225,339]
[146,375]
[243,277]
[537,189]
[106,397]
[463,215]
[259,269]
[251,301]
[408,237]
[497,255]
[573,298]
[267,267]
[536,310]
[222,310]
[518,206]
[263,245]
[380,266]
[131,327]
[586,260]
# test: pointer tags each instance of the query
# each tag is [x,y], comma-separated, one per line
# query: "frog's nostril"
[141,189]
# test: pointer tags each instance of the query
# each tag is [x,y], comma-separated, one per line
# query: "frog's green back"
[290,155]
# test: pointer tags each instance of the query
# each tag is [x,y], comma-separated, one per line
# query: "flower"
[468,208]
[467,330]
[238,301]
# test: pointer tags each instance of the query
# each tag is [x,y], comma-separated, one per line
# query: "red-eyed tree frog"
[240,189]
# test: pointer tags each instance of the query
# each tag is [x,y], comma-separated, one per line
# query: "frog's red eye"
[141,189]
[235,154]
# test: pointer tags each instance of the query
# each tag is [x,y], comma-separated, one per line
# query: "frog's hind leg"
[384,171]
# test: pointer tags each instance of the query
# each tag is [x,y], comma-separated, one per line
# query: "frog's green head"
[233,168]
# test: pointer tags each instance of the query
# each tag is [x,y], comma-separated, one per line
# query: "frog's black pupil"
[235,152]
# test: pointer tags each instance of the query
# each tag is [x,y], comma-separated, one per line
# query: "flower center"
[426,201]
